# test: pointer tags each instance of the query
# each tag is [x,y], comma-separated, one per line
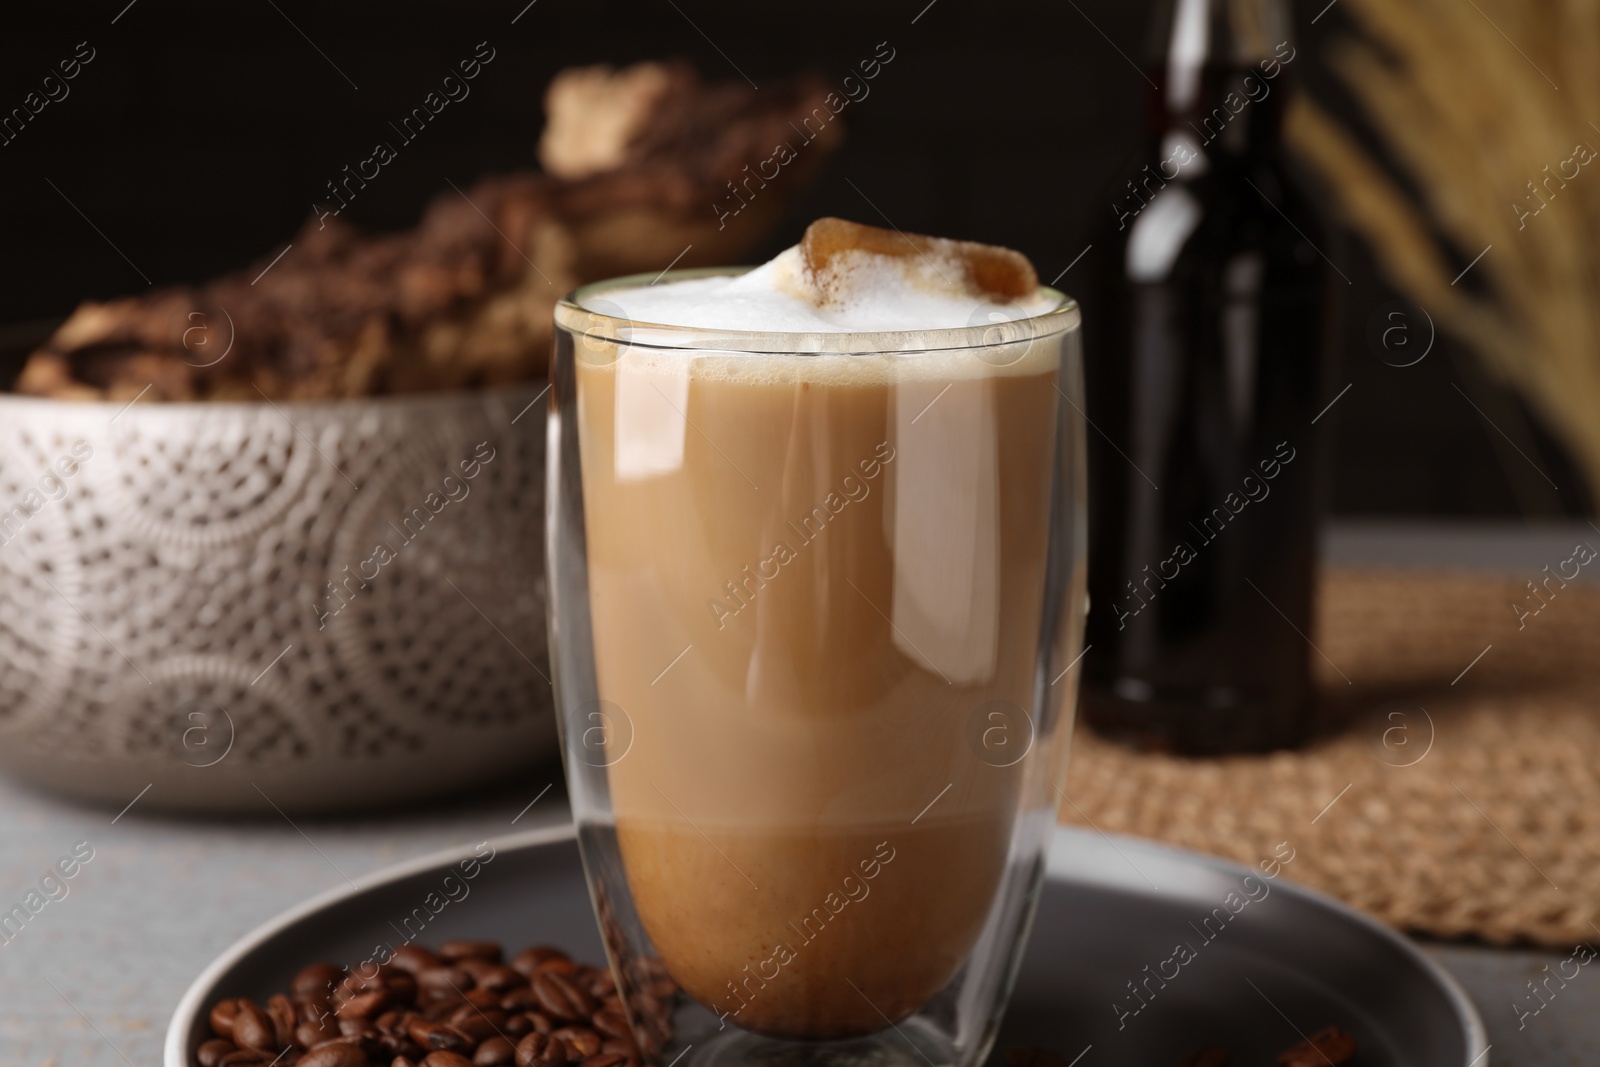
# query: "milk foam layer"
[867,293]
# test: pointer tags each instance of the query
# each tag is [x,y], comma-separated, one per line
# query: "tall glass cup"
[815,600]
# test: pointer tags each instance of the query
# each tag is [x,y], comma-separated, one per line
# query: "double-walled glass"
[815,604]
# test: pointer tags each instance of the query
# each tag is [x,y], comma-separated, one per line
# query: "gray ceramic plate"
[1255,979]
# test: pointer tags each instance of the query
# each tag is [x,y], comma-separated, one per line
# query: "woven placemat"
[1459,794]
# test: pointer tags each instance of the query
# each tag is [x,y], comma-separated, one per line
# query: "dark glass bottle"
[1206,330]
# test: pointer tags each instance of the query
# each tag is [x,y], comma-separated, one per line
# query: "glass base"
[906,1045]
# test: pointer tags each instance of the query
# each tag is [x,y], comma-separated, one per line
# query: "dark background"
[198,136]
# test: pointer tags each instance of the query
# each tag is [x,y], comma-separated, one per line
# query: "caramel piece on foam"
[989,270]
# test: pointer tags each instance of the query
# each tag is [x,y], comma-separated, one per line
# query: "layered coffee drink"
[817,569]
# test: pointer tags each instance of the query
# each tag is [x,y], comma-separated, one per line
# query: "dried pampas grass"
[1490,106]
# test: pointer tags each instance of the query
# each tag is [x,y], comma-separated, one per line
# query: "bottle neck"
[1221,72]
[1192,34]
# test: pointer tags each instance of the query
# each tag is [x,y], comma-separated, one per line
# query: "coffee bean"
[414,959]
[400,985]
[460,950]
[519,1000]
[474,965]
[245,1057]
[343,1039]
[497,1051]
[364,1044]
[252,1027]
[530,1020]
[461,1007]
[437,1037]
[446,981]
[308,1034]
[364,1005]
[477,1023]
[559,966]
[211,1053]
[334,1054]
[222,1016]
[540,1050]
[1328,1045]
[359,982]
[581,1041]
[321,1015]
[316,980]
[281,1011]
[498,979]
[530,960]
[481,998]
[561,998]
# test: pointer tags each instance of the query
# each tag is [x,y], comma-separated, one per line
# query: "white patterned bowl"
[167,619]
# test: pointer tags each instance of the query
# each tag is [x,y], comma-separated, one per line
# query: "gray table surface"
[94,977]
